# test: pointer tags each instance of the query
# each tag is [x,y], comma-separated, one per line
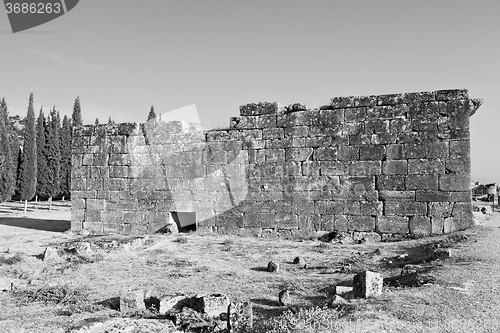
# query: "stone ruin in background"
[391,164]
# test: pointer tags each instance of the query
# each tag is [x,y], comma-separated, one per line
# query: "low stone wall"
[390,164]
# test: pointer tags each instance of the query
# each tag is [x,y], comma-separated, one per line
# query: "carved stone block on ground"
[132,300]
[367,284]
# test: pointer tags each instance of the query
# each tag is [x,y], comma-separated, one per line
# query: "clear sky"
[121,56]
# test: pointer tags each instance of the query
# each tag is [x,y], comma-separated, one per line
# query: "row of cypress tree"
[41,166]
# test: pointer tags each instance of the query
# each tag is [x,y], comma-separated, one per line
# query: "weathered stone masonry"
[391,164]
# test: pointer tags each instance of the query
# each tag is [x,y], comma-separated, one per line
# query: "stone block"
[364,168]
[239,316]
[391,182]
[356,114]
[286,221]
[452,224]
[440,209]
[383,138]
[273,267]
[298,154]
[420,225]
[330,117]
[426,166]
[372,153]
[459,165]
[454,182]
[265,121]
[255,109]
[437,150]
[370,208]
[273,133]
[450,94]
[333,168]
[430,195]
[464,196]
[459,149]
[348,153]
[360,223]
[395,151]
[367,284]
[359,139]
[386,195]
[326,153]
[297,131]
[132,300]
[342,102]
[395,167]
[214,304]
[422,182]
[405,208]
[393,224]
[399,125]
[413,150]
[462,209]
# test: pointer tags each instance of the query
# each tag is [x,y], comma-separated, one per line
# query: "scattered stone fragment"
[168,303]
[338,300]
[342,290]
[367,284]
[411,269]
[273,267]
[402,256]
[50,254]
[240,316]
[284,298]
[132,300]
[300,262]
[486,211]
[442,253]
[5,284]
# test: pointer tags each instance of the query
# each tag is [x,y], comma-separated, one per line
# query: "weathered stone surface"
[213,305]
[284,298]
[405,150]
[51,254]
[343,290]
[367,284]
[273,267]
[240,316]
[132,300]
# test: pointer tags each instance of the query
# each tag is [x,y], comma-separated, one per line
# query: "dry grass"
[236,266]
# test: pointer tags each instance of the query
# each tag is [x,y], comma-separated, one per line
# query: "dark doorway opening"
[186,221]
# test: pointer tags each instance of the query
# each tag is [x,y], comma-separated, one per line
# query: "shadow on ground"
[37,224]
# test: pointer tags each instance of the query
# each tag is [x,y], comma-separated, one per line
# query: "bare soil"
[463,295]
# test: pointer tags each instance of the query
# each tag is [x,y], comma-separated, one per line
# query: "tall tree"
[110,121]
[53,154]
[65,175]
[41,181]
[6,164]
[152,113]
[77,113]
[28,167]
[96,121]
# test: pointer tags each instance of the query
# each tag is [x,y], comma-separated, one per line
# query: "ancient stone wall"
[390,164]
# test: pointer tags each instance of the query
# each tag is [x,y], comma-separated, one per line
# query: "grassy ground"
[463,296]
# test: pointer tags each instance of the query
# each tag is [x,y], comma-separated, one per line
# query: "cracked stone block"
[239,316]
[367,284]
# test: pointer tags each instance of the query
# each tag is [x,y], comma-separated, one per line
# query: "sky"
[122,56]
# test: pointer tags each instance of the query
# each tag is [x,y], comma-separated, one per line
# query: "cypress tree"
[53,155]
[65,176]
[41,181]
[110,121]
[96,121]
[77,113]
[152,113]
[6,164]
[28,167]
